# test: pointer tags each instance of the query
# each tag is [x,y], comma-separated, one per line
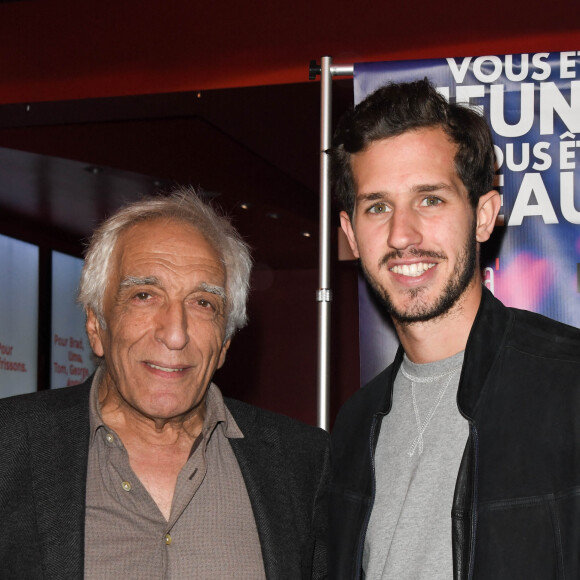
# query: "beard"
[421,310]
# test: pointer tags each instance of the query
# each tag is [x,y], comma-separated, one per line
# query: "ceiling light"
[94,170]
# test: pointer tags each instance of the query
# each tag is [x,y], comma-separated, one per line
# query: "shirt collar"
[216,411]
[95,418]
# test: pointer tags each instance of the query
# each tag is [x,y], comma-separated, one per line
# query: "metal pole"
[342,70]
[324,293]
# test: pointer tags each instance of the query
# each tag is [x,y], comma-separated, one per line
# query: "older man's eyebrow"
[212,289]
[133,281]
[130,281]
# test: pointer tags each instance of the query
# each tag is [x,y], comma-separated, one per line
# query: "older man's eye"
[205,303]
[142,296]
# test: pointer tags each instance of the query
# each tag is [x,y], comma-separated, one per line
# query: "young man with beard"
[462,458]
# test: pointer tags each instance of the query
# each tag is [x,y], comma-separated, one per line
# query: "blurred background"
[103,102]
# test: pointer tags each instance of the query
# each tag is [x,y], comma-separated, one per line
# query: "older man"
[145,471]
[462,458]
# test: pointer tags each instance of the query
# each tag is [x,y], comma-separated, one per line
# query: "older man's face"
[165,313]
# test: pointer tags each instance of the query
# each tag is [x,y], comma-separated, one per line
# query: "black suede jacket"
[516,509]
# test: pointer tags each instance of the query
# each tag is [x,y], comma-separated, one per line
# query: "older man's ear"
[223,353]
[94,332]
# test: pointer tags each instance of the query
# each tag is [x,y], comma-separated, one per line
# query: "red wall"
[272,362]
[64,49]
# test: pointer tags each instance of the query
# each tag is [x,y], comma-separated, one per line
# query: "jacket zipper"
[371,502]
[473,500]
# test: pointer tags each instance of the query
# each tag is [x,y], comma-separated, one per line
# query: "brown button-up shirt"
[211,532]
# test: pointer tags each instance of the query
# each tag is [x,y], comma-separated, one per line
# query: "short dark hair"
[397,108]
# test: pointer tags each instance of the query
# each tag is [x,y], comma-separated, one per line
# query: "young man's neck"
[444,336]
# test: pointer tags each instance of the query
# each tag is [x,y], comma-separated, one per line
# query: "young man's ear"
[346,226]
[487,210]
[94,333]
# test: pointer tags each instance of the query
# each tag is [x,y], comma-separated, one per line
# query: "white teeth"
[412,270]
[165,369]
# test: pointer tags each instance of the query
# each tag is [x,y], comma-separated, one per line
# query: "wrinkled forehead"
[169,237]
[165,228]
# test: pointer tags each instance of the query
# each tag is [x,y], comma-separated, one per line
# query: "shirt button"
[167,539]
[126,486]
[110,437]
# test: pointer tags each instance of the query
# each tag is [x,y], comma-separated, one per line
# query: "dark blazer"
[43,464]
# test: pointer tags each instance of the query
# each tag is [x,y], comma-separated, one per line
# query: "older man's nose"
[172,326]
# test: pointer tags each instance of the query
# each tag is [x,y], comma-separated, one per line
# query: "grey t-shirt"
[417,458]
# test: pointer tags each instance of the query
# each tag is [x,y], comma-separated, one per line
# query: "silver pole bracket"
[324,295]
[340,70]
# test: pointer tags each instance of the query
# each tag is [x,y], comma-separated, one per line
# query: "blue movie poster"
[532,102]
[71,356]
[18,317]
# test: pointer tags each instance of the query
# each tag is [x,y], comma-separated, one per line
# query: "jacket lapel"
[261,463]
[484,345]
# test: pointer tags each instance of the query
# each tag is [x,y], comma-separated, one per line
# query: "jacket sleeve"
[19,541]
[318,559]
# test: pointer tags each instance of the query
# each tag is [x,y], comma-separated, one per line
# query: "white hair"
[183,205]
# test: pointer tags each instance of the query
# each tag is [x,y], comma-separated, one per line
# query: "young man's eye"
[378,208]
[431,201]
